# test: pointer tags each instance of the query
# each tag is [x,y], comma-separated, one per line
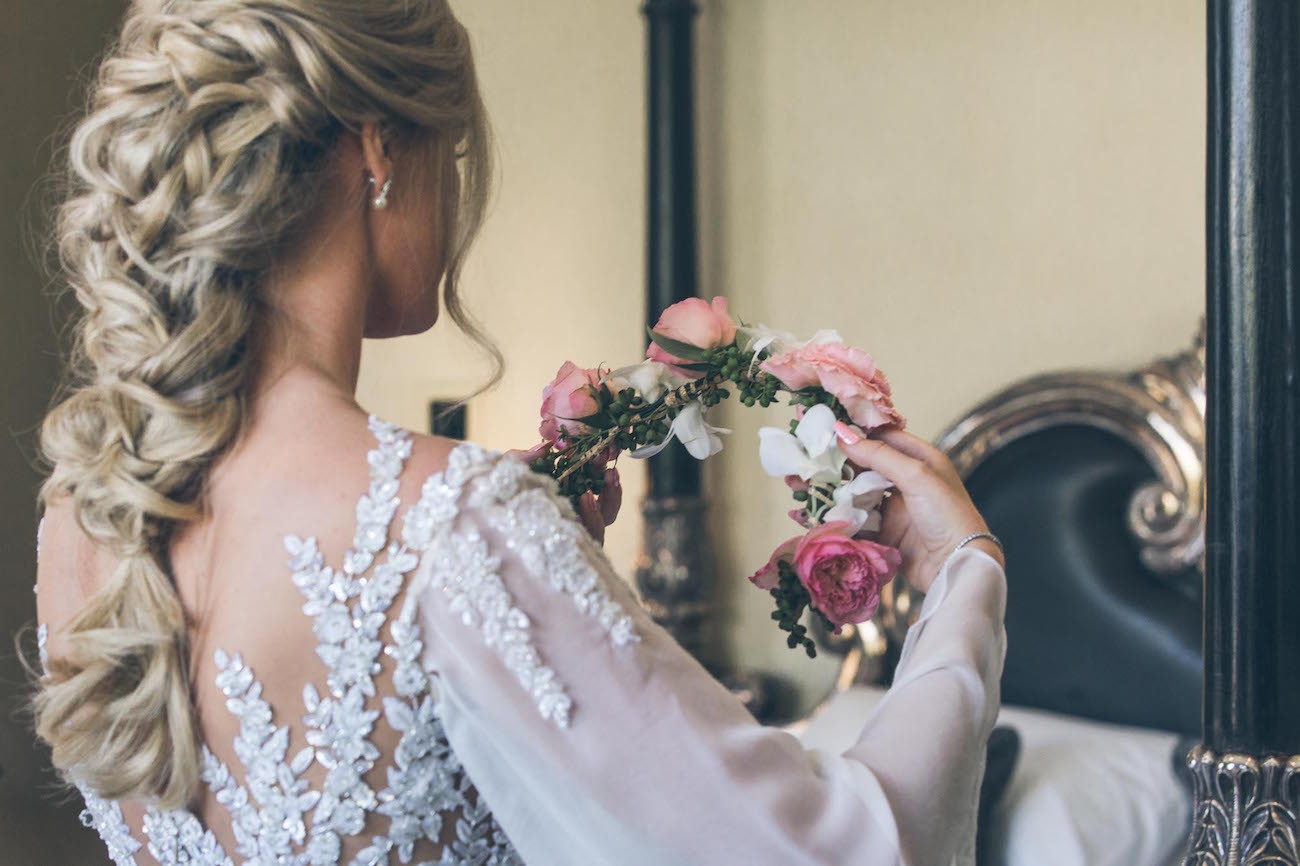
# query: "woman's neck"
[316,312]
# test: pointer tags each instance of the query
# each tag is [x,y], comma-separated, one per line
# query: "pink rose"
[571,395]
[769,575]
[696,322]
[844,575]
[850,375]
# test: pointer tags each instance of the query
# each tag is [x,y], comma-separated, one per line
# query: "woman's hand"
[930,511]
[596,512]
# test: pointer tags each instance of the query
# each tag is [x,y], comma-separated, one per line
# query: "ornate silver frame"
[1159,409]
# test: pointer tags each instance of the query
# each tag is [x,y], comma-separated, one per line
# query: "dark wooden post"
[671,260]
[675,574]
[1247,770]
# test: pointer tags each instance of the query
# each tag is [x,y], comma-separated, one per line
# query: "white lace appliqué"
[525,510]
[550,542]
[105,818]
[277,817]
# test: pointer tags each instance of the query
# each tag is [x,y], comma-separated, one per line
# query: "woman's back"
[314,750]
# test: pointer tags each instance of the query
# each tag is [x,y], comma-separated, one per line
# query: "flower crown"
[697,357]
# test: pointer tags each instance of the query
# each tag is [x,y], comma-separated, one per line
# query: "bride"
[277,630]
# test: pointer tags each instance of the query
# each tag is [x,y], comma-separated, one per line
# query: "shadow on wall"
[45,51]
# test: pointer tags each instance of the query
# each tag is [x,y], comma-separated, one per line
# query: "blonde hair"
[207,131]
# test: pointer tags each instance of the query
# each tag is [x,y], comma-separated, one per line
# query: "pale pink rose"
[769,575]
[844,575]
[696,322]
[571,395]
[850,375]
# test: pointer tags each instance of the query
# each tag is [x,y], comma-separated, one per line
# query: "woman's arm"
[596,739]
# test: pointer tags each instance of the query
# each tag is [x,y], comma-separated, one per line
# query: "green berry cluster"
[792,600]
[589,477]
[635,423]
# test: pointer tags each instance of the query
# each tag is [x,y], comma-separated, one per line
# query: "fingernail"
[847,434]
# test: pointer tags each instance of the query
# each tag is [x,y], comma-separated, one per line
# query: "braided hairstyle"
[206,135]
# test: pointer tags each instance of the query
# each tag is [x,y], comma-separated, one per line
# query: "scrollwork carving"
[1245,810]
[1159,409]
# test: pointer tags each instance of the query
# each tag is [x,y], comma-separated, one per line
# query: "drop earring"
[381,201]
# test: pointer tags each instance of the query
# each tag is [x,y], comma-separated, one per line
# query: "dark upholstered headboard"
[1091,630]
[1094,483]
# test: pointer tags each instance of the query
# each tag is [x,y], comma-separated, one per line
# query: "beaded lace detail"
[543,533]
[277,817]
[550,542]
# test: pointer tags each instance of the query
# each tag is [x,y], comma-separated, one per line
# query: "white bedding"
[1083,793]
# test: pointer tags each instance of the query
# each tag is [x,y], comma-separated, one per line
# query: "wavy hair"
[206,133]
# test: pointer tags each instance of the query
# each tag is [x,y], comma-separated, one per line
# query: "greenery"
[791,600]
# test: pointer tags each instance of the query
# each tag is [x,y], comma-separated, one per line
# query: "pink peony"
[696,322]
[850,375]
[844,575]
[571,395]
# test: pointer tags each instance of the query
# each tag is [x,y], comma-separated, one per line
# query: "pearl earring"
[381,200]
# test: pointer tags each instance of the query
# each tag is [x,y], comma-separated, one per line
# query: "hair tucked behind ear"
[208,126]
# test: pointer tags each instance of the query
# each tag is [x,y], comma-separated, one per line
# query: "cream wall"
[972,191]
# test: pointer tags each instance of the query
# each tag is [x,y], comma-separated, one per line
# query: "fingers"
[534,453]
[611,499]
[589,512]
[917,448]
[904,471]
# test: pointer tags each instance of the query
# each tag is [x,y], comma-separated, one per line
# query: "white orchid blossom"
[650,379]
[702,439]
[811,453]
[858,502]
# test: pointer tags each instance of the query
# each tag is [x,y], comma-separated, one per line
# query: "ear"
[375,154]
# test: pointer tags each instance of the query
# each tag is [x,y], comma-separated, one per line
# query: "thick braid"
[194,167]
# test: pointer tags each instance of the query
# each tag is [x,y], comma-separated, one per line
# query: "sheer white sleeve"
[596,739]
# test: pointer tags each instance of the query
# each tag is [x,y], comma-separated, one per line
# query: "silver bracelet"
[973,536]
[965,541]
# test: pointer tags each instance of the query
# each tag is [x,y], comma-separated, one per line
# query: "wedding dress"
[542,717]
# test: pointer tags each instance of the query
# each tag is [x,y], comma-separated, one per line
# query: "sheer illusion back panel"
[321,741]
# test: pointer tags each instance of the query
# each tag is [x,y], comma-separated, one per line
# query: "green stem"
[673,399]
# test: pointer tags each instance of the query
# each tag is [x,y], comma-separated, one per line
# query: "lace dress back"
[488,636]
[358,770]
